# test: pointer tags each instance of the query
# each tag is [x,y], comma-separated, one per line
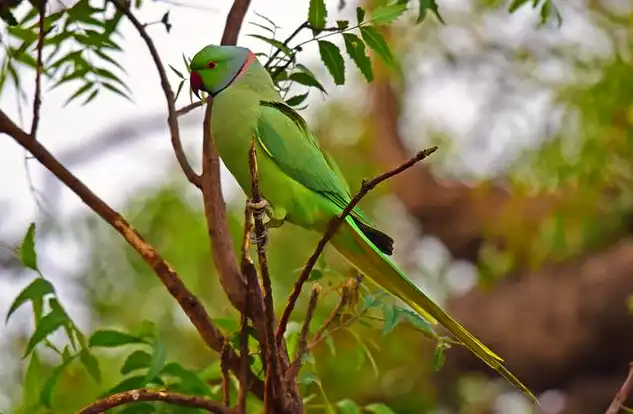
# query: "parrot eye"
[212,65]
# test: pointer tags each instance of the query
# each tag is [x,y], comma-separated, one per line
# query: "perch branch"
[274,377]
[234,21]
[293,370]
[37,100]
[187,301]
[241,397]
[350,288]
[188,108]
[623,394]
[226,380]
[334,225]
[133,396]
[172,118]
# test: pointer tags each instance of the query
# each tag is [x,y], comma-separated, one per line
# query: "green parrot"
[301,184]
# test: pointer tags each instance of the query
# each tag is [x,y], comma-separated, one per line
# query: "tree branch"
[172,118]
[234,21]
[334,225]
[133,396]
[37,100]
[623,394]
[274,382]
[302,348]
[187,301]
[188,108]
[224,367]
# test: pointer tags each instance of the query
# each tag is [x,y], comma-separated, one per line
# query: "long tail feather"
[358,249]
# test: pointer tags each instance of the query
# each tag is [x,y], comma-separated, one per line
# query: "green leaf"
[37,289]
[306,79]
[165,21]
[429,5]
[317,14]
[342,24]
[331,57]
[180,85]
[391,317]
[32,384]
[90,97]
[439,356]
[126,385]
[516,5]
[261,26]
[360,15]
[189,380]
[388,13]
[111,339]
[27,249]
[356,50]
[8,17]
[49,386]
[294,101]
[273,42]
[91,363]
[379,409]
[347,406]
[308,378]
[376,42]
[547,9]
[176,72]
[136,360]
[418,322]
[80,91]
[46,326]
[157,363]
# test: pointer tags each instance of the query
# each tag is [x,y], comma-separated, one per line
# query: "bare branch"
[37,100]
[234,21]
[350,288]
[334,225]
[133,396]
[293,370]
[623,394]
[187,301]
[188,108]
[241,397]
[172,119]
[226,380]
[274,376]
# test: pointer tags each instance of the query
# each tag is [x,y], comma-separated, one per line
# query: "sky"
[450,101]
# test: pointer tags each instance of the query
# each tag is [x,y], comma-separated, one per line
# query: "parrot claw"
[259,240]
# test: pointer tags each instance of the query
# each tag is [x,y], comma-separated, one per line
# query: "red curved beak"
[195,81]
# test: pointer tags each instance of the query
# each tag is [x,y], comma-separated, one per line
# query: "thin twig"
[334,225]
[294,34]
[244,356]
[274,374]
[133,396]
[172,119]
[187,301]
[622,395]
[188,108]
[234,22]
[226,380]
[349,288]
[37,100]
[302,347]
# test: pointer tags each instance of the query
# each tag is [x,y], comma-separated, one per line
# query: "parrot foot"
[259,209]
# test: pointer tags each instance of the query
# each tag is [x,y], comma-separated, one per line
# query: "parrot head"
[214,68]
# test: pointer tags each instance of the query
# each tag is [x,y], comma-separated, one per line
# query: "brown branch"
[302,348]
[234,21]
[224,366]
[188,108]
[187,301]
[350,288]
[274,381]
[37,100]
[241,397]
[172,117]
[334,225]
[623,394]
[133,396]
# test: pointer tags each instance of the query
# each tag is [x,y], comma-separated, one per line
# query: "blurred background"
[520,223]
